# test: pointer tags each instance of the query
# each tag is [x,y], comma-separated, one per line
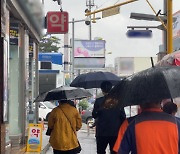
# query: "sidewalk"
[45,143]
[87,141]
[21,149]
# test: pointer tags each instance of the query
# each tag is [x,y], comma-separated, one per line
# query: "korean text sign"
[34,138]
[57,22]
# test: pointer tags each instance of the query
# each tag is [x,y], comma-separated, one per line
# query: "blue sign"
[55,58]
[139,33]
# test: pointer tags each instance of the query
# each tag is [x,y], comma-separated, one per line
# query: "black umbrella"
[63,93]
[151,85]
[94,79]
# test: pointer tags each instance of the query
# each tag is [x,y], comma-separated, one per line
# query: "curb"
[46,148]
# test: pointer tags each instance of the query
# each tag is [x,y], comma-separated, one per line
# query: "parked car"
[44,110]
[86,115]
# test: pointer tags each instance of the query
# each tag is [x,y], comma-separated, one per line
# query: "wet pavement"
[86,139]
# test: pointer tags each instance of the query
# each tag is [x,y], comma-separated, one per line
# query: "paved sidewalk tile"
[87,141]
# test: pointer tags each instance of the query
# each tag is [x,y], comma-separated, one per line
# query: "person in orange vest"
[151,132]
[121,132]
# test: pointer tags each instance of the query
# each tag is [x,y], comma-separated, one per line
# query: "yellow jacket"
[62,136]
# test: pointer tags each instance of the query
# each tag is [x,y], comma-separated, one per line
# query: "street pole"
[72,52]
[72,43]
[169,27]
[90,35]
[165,32]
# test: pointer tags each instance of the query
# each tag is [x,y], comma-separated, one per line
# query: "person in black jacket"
[108,121]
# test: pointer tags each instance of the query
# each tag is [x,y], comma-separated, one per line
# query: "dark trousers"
[103,141]
[63,152]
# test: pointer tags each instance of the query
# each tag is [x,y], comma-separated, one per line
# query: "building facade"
[125,66]
[21,30]
[51,73]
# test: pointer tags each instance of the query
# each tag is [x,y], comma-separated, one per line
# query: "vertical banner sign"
[34,138]
[57,22]
[31,48]
[14,34]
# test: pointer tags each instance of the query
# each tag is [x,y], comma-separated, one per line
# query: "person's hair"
[63,101]
[150,105]
[67,101]
[170,108]
[106,86]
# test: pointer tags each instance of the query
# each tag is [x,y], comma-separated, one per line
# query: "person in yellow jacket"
[64,120]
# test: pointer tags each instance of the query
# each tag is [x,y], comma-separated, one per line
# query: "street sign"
[139,33]
[34,138]
[57,22]
[110,12]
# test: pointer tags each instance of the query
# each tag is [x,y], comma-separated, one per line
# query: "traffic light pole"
[169,35]
[72,43]
[72,52]
[165,31]
[169,27]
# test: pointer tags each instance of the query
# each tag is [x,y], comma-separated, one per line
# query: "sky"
[113,29]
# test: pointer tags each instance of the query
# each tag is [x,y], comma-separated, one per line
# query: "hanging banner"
[34,138]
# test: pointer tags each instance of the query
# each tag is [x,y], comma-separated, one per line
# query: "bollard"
[88,129]
[42,124]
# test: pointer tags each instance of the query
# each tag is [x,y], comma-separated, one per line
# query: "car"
[44,110]
[86,116]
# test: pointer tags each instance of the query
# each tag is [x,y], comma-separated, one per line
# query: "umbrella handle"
[152,62]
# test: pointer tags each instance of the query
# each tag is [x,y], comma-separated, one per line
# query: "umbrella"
[63,93]
[170,59]
[94,79]
[151,85]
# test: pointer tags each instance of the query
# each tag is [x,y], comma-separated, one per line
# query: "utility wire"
[97,7]
[116,2]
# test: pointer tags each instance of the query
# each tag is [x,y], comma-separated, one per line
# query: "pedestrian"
[170,108]
[121,132]
[64,121]
[151,132]
[108,121]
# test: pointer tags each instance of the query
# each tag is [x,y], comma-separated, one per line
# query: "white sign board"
[89,63]
[89,48]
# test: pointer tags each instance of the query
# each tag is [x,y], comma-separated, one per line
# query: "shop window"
[46,65]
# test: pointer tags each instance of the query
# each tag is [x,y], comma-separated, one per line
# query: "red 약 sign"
[57,22]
